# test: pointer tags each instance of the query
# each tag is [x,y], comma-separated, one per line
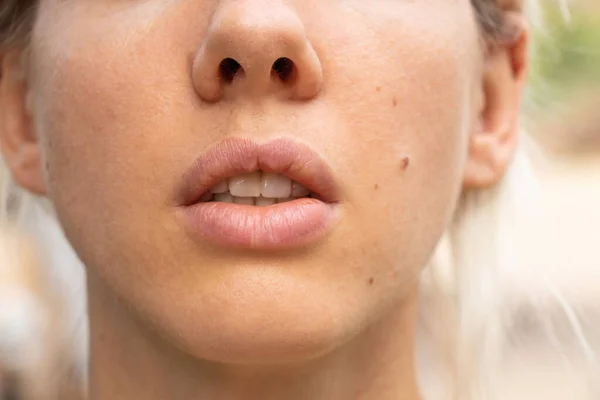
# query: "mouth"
[274,195]
[258,188]
[241,171]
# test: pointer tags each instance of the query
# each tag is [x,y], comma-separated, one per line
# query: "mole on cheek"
[376,186]
[394,102]
[371,281]
[405,163]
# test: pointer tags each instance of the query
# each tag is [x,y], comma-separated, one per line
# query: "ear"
[18,141]
[494,140]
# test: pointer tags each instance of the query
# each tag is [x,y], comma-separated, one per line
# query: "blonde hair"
[479,302]
[473,292]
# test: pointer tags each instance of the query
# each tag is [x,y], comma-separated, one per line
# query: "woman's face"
[129,94]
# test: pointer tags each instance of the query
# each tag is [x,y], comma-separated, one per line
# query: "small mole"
[371,280]
[405,163]
[378,88]
[376,186]
[395,102]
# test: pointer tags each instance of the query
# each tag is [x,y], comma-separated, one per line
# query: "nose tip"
[251,52]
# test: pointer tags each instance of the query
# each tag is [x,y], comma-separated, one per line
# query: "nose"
[253,49]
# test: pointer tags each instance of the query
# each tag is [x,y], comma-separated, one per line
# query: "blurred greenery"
[566,55]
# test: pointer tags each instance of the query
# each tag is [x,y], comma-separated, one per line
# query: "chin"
[263,319]
[268,342]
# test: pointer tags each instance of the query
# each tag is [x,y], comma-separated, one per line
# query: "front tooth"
[275,186]
[263,202]
[224,198]
[247,201]
[299,191]
[246,185]
[220,187]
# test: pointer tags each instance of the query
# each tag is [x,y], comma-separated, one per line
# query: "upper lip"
[234,156]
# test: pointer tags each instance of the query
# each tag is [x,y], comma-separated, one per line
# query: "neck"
[128,361]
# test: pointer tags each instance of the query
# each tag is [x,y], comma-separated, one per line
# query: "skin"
[113,104]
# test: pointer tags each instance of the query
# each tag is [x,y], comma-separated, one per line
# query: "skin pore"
[116,99]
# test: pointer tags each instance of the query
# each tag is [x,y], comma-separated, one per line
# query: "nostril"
[228,69]
[284,69]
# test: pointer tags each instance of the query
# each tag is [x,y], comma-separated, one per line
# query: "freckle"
[371,280]
[376,186]
[378,88]
[395,102]
[405,163]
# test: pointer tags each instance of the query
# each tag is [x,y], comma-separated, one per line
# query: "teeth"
[262,189]
[221,187]
[275,186]
[248,201]
[299,191]
[224,198]
[246,185]
[263,202]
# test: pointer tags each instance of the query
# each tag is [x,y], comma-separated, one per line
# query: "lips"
[293,223]
[234,156]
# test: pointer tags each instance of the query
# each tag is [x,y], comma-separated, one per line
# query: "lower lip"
[291,224]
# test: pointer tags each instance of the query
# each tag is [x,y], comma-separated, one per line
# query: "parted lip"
[234,156]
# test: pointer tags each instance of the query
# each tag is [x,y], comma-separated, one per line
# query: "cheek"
[115,98]
[113,135]
[404,93]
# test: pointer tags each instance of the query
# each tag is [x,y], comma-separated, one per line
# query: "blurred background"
[561,114]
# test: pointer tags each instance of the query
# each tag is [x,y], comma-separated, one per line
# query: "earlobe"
[495,137]
[490,154]
[18,141]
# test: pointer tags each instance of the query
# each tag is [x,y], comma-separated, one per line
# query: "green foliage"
[566,57]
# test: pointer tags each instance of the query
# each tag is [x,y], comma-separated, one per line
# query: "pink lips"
[283,225]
